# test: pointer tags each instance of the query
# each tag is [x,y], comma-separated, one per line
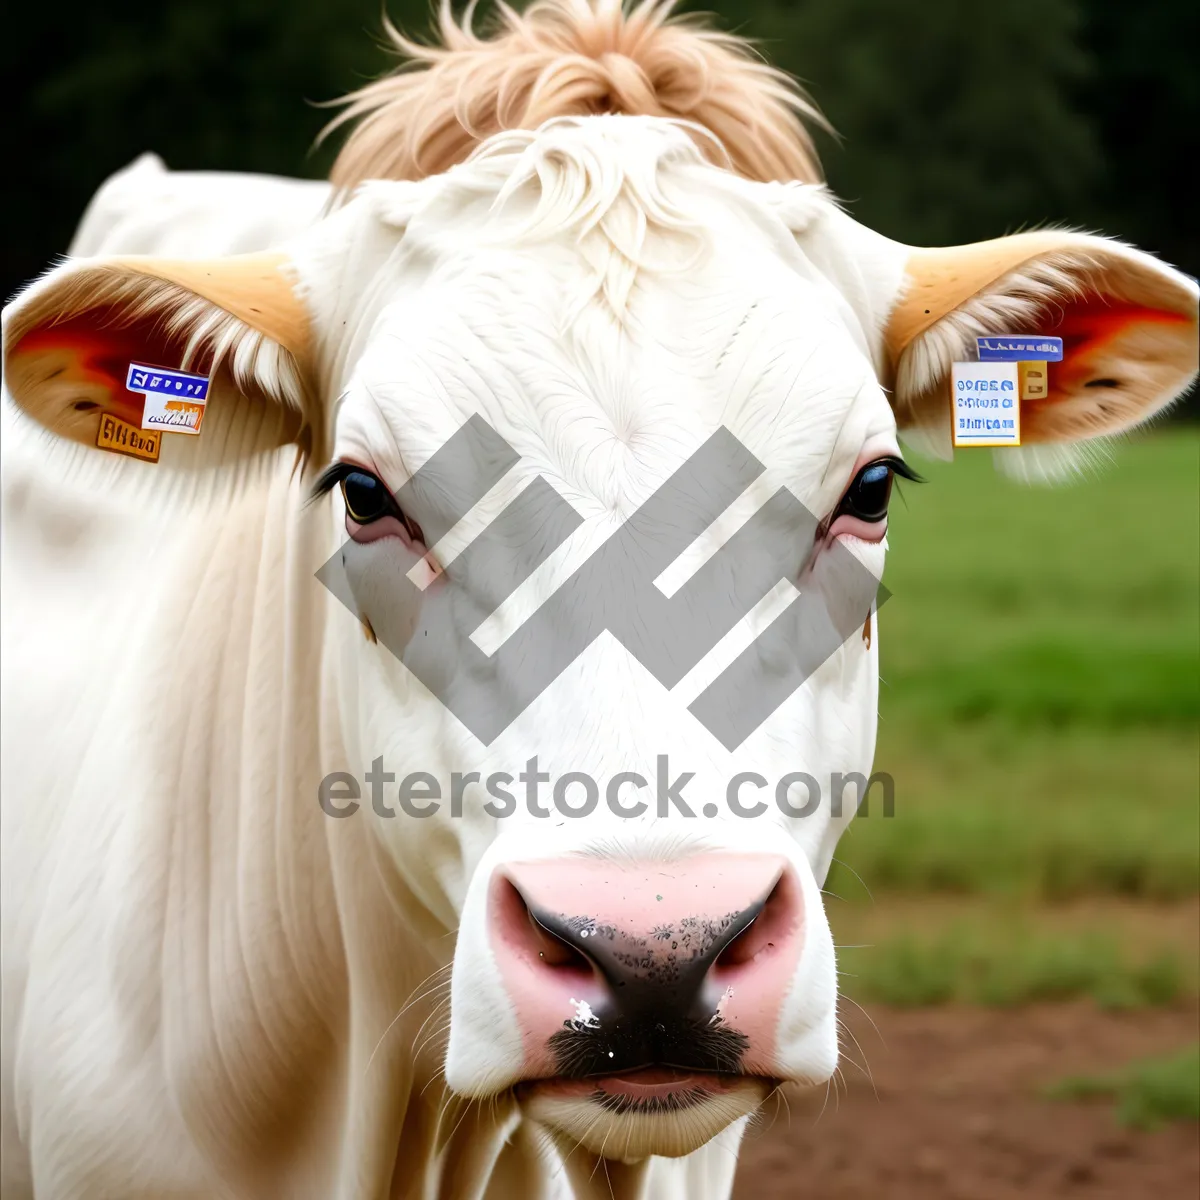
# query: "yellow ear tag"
[1034,379]
[122,438]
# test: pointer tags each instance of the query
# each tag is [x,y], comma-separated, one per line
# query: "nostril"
[775,922]
[742,949]
[529,937]
[553,951]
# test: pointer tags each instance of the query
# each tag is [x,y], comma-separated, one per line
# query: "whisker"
[866,1014]
[846,867]
[825,1104]
[439,1010]
[405,1008]
[863,1066]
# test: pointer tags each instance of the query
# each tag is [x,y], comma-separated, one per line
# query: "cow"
[287,911]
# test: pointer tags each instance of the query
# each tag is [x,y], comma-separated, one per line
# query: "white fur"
[146,209]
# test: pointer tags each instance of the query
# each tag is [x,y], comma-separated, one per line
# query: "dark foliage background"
[958,121]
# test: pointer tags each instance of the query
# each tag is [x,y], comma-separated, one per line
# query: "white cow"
[243,955]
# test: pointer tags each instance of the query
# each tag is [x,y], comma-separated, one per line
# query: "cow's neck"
[332,973]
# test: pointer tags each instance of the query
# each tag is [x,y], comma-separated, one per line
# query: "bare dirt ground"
[953,1112]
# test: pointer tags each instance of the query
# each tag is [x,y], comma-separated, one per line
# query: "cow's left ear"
[1128,324]
[70,337]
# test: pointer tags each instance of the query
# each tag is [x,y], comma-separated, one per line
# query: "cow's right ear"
[69,339]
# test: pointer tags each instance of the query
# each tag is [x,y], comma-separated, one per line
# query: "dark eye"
[867,497]
[366,498]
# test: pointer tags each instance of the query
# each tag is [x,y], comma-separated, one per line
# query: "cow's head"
[594,304]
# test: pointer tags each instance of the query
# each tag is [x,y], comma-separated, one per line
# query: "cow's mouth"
[653,1088]
[640,1112]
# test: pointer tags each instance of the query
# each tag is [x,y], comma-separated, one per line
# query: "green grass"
[971,966]
[1051,815]
[1041,684]
[1147,1094]
[1038,606]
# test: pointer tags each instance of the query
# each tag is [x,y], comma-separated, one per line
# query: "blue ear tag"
[1034,348]
[175,400]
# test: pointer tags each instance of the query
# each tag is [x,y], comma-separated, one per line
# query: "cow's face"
[612,663]
[642,946]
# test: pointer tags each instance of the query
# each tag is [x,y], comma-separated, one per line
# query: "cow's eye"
[366,497]
[867,497]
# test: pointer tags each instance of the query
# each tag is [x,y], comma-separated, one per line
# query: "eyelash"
[333,476]
[899,469]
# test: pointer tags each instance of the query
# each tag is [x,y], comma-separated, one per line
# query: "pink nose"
[615,967]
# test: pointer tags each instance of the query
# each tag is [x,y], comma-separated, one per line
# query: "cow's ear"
[70,337]
[1128,324]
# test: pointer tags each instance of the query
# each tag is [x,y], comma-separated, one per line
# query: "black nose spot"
[645,979]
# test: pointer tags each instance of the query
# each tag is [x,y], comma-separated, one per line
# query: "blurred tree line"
[957,121]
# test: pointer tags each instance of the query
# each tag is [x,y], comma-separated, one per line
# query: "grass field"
[1040,714]
[1147,1093]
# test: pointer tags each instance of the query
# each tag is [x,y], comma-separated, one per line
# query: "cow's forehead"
[609,397]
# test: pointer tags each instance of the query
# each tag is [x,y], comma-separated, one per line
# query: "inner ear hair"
[149,319]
